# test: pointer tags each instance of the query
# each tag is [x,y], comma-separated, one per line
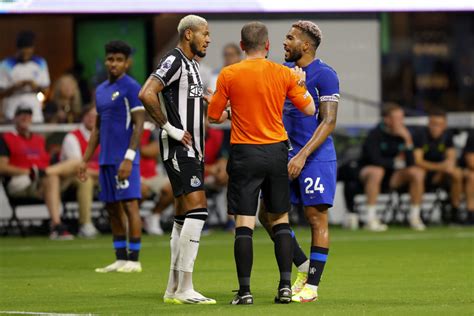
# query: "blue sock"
[120,246]
[317,261]
[134,245]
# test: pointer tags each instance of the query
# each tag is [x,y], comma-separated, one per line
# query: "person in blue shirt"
[312,163]
[118,129]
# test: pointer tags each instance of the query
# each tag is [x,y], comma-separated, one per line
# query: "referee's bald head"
[254,36]
[190,22]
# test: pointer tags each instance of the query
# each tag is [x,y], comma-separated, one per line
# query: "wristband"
[173,132]
[130,154]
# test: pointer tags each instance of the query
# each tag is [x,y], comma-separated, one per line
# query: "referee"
[256,89]
[176,84]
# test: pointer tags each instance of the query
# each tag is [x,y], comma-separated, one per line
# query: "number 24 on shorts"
[310,189]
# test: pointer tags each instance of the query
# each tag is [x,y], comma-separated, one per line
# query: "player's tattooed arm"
[327,117]
[149,97]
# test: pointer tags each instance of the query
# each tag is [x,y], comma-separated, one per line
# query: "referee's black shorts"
[186,175]
[252,168]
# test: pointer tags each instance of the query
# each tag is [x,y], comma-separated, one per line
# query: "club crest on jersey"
[195,91]
[115,95]
[195,182]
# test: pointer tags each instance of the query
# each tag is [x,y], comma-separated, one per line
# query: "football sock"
[299,258]
[189,246]
[174,247]
[415,211]
[283,252]
[120,246]
[243,254]
[134,245]
[371,213]
[317,261]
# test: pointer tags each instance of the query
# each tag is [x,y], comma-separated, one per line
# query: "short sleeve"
[449,140]
[219,99]
[4,151]
[132,96]
[168,70]
[328,86]
[297,94]
[5,80]
[43,78]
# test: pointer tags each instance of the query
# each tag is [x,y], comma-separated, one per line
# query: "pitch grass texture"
[399,272]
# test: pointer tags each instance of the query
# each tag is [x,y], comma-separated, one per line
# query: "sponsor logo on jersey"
[195,182]
[195,91]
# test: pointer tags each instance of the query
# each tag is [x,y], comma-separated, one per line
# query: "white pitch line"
[42,313]
[375,237]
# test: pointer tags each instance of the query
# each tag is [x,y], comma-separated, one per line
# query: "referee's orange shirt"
[256,89]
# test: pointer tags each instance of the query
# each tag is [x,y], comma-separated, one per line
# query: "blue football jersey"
[323,85]
[115,103]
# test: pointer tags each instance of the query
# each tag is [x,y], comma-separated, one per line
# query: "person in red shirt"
[25,163]
[152,181]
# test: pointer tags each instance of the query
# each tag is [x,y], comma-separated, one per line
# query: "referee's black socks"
[243,254]
[283,252]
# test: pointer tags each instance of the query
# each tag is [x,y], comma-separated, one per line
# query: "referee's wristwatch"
[228,113]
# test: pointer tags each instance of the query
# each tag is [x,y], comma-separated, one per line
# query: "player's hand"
[295,166]
[187,139]
[301,74]
[208,95]
[125,169]
[82,171]
[403,132]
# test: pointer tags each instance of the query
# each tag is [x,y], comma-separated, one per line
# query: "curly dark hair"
[115,47]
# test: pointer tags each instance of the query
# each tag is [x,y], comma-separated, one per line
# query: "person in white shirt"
[72,150]
[22,77]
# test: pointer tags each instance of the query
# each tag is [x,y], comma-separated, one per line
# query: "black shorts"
[186,175]
[252,168]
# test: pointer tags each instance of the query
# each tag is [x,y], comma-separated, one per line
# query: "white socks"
[189,246]
[371,213]
[174,247]
[415,211]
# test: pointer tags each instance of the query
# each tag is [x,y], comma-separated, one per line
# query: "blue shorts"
[110,190]
[315,185]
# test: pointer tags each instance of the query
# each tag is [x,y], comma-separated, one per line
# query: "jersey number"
[317,186]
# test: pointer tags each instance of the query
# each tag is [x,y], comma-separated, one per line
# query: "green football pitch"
[399,272]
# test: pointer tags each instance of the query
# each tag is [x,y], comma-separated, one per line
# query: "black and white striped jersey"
[183,104]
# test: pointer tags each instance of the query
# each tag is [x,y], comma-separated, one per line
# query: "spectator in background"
[435,153]
[65,105]
[231,53]
[153,182]
[215,165]
[77,72]
[73,148]
[387,159]
[25,163]
[22,77]
[468,163]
